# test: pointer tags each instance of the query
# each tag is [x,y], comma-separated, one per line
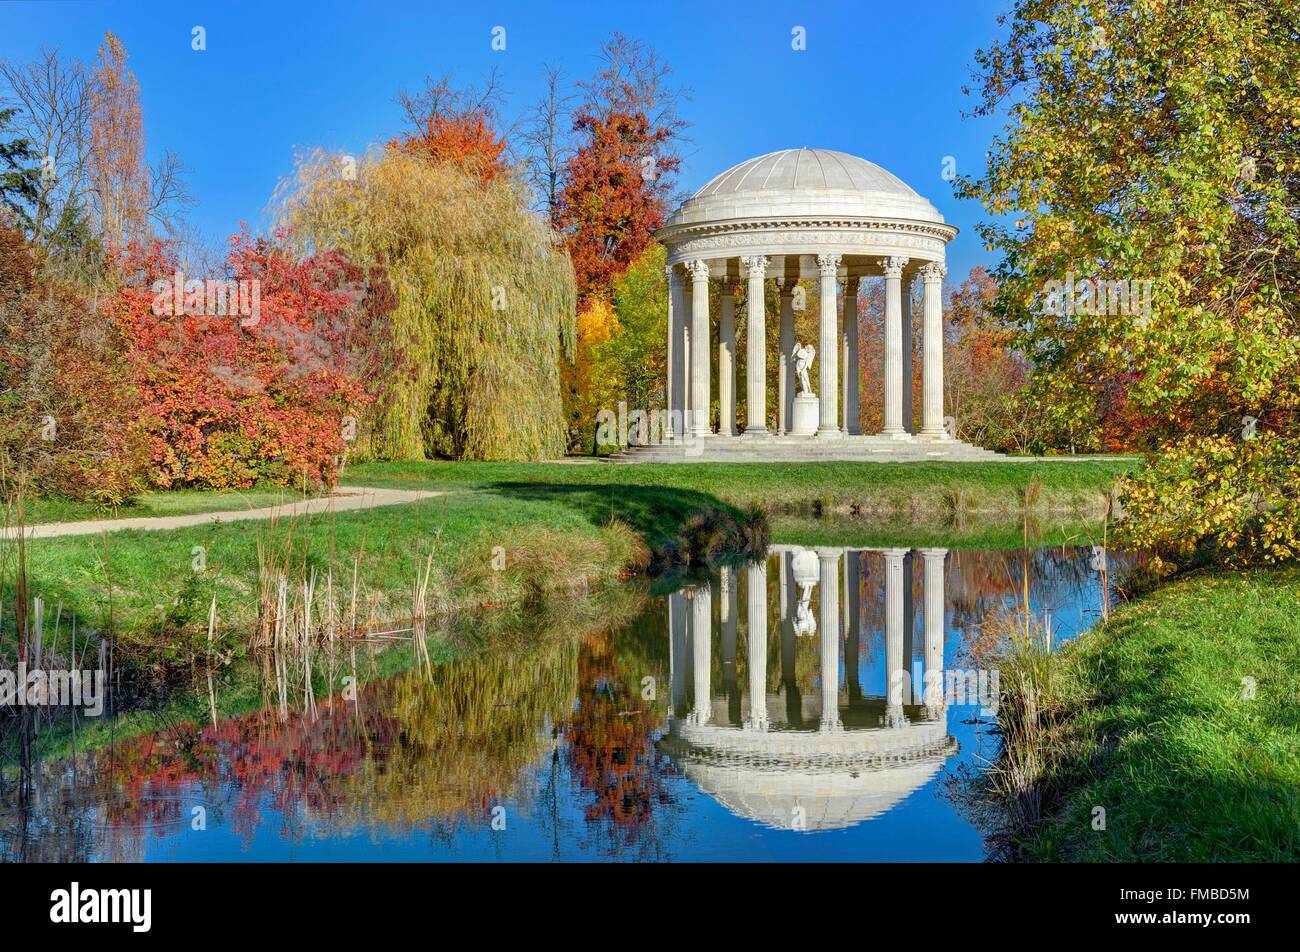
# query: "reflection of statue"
[804,622]
[803,358]
[806,575]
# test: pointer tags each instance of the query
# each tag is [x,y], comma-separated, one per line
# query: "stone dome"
[805,183]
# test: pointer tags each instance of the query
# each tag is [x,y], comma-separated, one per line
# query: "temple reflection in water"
[856,744]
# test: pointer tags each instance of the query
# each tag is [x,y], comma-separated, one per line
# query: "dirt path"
[344,499]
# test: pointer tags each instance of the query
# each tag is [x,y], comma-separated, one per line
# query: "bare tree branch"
[546,134]
[53,95]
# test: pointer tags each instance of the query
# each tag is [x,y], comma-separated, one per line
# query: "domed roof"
[804,183]
[795,169]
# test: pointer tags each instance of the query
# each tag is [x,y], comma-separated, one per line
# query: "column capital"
[828,265]
[669,271]
[728,286]
[930,554]
[852,282]
[934,271]
[893,266]
[699,269]
[786,286]
[755,266]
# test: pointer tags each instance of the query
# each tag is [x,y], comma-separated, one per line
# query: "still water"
[749,716]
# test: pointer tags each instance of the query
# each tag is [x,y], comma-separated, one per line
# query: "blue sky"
[879,80]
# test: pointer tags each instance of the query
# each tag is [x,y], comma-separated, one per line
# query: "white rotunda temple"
[826,218]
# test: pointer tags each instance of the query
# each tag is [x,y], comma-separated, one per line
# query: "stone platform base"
[804,449]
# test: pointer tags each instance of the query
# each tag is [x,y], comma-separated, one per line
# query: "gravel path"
[344,499]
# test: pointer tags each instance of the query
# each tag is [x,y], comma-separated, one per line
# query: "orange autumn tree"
[119,176]
[613,199]
[456,127]
[984,379]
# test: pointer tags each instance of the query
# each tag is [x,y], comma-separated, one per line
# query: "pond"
[750,716]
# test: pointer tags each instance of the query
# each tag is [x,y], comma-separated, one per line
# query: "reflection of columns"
[852,426]
[701,643]
[909,629]
[909,416]
[829,425]
[789,674]
[756,624]
[894,673]
[853,633]
[829,584]
[678,639]
[727,616]
[678,352]
[699,347]
[755,347]
[727,360]
[932,342]
[893,268]
[933,619]
[785,372]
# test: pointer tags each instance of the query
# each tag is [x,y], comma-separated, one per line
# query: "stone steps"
[788,449]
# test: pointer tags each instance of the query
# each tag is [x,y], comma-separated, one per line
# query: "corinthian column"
[755,348]
[699,347]
[933,622]
[678,355]
[893,268]
[909,414]
[828,427]
[932,341]
[727,359]
[852,427]
[829,590]
[785,374]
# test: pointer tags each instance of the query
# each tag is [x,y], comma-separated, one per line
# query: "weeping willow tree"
[485,302]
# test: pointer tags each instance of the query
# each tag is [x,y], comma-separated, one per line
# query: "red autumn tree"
[249,392]
[613,198]
[619,178]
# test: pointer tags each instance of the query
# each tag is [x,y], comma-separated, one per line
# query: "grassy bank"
[1180,717]
[918,491]
[485,550]
[506,532]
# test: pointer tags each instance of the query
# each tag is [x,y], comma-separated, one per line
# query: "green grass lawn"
[1190,738]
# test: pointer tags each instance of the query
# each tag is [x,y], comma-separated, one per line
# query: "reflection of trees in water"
[610,741]
[980,582]
[435,749]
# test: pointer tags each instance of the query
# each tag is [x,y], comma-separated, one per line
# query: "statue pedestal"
[807,415]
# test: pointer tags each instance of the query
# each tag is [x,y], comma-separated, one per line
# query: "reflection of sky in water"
[886,808]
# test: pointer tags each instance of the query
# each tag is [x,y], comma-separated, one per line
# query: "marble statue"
[804,355]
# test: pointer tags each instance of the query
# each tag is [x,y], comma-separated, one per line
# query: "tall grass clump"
[485,303]
[1037,692]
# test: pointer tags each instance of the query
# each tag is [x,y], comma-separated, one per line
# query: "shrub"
[71,420]
[255,393]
